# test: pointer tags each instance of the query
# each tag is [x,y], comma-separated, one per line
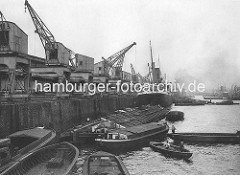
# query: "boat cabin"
[104,126]
[117,136]
[135,131]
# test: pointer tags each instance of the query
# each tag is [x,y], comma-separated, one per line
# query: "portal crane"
[116,61]
[49,43]
[140,77]
[148,78]
[134,76]
[151,66]
[132,70]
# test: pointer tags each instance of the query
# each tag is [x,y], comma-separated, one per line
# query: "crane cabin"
[12,38]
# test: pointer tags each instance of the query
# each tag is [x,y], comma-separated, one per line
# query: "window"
[80,63]
[110,136]
[4,37]
[17,43]
[53,54]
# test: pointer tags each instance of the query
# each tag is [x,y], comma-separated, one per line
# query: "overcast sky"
[193,39]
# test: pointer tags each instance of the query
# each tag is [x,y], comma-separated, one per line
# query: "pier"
[64,113]
[23,106]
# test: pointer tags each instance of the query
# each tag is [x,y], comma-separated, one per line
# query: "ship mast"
[151,67]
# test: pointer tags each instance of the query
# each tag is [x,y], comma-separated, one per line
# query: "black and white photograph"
[119,87]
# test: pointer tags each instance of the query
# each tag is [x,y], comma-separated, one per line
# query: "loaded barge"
[131,138]
[97,129]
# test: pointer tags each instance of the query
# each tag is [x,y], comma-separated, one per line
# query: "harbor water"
[218,159]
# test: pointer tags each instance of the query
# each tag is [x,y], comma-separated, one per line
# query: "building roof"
[78,54]
[16,26]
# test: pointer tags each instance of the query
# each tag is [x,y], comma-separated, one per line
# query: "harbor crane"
[150,76]
[140,78]
[134,75]
[55,52]
[115,61]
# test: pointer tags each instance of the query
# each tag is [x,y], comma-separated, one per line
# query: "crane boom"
[2,19]
[117,59]
[48,41]
[120,53]
[42,30]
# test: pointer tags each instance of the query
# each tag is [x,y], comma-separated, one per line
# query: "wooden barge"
[227,138]
[104,163]
[54,159]
[131,138]
[22,143]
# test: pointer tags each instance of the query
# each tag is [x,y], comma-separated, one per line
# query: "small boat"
[19,144]
[190,104]
[206,137]
[171,150]
[226,102]
[210,97]
[103,163]
[56,159]
[131,138]
[89,132]
[175,116]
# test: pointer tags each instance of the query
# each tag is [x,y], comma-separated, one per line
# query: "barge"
[131,138]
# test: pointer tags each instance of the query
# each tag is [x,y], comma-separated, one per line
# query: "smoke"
[222,69]
[183,76]
[217,70]
[212,42]
[217,63]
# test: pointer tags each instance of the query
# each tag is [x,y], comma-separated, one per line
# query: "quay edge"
[63,114]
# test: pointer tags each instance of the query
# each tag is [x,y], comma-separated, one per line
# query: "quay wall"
[62,114]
